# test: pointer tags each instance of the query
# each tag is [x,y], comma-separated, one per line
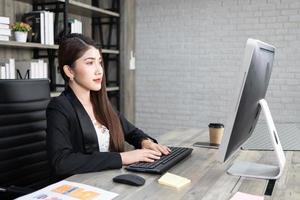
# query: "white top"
[102,136]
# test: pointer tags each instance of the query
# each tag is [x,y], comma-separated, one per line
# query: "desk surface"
[208,177]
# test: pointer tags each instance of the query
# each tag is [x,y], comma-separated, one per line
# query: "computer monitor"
[250,100]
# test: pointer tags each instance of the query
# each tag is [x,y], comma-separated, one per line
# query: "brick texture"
[188,54]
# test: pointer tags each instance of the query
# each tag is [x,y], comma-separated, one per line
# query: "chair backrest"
[23,158]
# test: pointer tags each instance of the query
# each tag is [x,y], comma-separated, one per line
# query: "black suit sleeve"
[65,154]
[133,135]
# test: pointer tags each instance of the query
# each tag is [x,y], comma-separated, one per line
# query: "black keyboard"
[164,163]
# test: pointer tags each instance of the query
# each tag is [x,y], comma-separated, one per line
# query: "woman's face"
[88,71]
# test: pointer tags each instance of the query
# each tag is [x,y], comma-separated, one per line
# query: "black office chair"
[23,158]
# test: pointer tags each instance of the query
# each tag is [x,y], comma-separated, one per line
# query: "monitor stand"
[263,171]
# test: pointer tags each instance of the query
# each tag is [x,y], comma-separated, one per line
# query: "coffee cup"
[216,131]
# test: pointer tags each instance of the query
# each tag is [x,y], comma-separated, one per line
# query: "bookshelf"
[32,45]
[78,8]
[105,17]
[88,10]
[14,44]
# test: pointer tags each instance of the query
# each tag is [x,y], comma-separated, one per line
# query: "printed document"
[67,190]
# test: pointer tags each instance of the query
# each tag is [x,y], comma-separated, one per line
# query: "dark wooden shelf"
[15,44]
[112,89]
[88,10]
[79,8]
[110,51]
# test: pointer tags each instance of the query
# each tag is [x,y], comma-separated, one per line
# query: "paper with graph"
[67,190]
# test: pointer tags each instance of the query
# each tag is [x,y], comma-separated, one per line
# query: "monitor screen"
[252,86]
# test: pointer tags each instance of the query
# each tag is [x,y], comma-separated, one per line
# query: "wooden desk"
[208,177]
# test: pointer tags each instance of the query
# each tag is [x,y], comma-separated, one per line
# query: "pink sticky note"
[245,196]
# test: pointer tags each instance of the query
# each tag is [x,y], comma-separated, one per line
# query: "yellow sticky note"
[173,180]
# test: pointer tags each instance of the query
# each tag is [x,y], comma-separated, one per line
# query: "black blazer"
[72,144]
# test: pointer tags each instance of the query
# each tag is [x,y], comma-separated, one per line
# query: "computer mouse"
[129,179]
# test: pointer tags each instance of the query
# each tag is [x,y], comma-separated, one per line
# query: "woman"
[84,133]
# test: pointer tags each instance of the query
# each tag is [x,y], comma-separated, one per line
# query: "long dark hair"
[72,47]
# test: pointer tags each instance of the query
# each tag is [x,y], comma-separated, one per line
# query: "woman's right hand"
[139,155]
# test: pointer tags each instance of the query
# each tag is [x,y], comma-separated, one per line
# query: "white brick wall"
[188,54]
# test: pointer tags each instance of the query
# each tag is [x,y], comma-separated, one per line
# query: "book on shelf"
[75,26]
[4,20]
[8,69]
[4,26]
[30,69]
[4,37]
[49,34]
[48,28]
[2,71]
[5,31]
[42,23]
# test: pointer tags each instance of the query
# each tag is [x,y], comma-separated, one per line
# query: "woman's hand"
[139,155]
[149,144]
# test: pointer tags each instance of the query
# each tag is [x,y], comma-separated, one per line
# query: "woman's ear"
[68,72]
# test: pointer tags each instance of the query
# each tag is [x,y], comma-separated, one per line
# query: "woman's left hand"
[149,144]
